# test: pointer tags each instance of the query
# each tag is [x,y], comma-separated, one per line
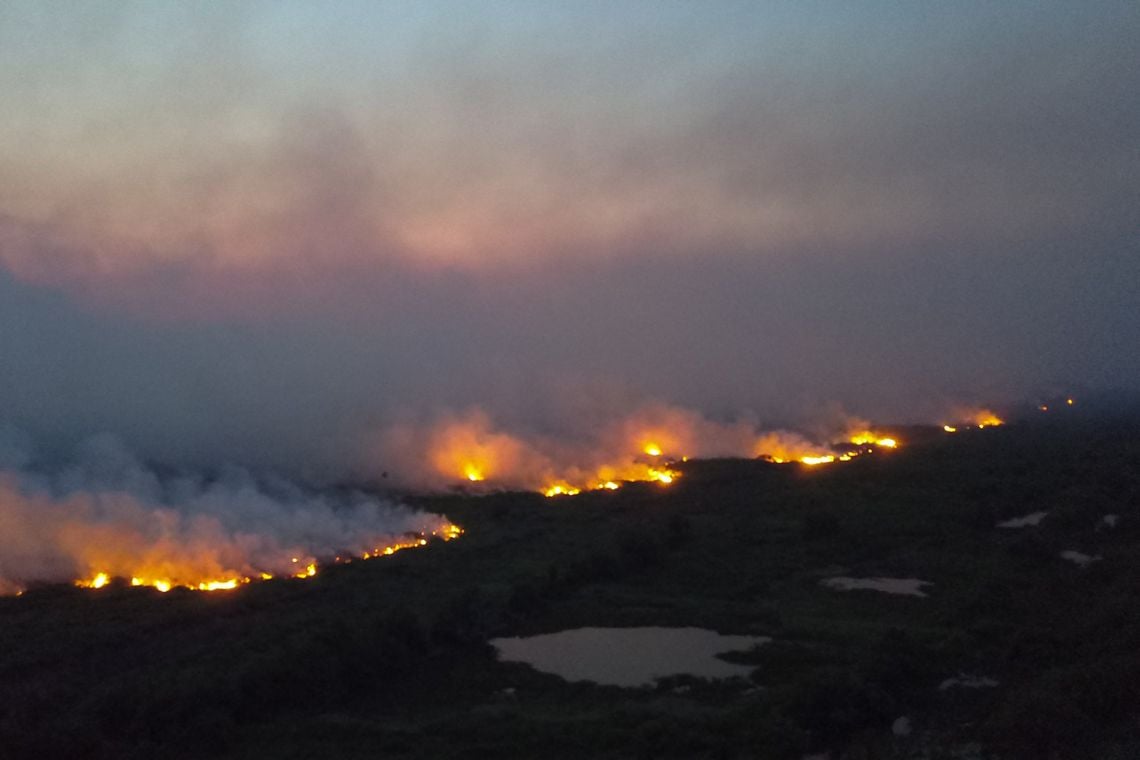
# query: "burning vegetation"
[103,519]
[132,528]
[300,569]
[859,441]
[470,452]
[973,418]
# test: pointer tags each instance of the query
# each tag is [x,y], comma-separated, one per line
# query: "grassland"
[388,658]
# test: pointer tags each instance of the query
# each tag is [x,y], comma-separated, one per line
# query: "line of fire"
[652,462]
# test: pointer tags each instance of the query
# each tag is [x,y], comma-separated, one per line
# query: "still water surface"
[628,656]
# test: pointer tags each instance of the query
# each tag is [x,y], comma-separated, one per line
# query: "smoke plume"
[104,513]
[472,449]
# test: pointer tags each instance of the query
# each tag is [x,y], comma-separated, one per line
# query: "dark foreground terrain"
[387,658]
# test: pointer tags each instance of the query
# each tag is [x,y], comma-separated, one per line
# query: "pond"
[629,656]
[904,586]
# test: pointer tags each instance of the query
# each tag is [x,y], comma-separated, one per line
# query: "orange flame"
[164,584]
[466,447]
[871,438]
[986,418]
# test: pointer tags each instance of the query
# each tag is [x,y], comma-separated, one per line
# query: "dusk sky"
[262,232]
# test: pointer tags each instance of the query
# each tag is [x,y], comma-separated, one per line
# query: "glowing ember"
[950,428]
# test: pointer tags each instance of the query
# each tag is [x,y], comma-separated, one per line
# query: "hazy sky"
[255,231]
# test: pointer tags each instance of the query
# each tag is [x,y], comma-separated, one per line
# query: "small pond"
[629,656]
[904,586]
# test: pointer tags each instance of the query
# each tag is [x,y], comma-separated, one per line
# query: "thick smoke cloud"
[889,339]
[243,234]
[636,445]
[245,171]
[102,511]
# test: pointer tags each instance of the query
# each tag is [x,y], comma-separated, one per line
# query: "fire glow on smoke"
[300,570]
[103,518]
[109,519]
[469,450]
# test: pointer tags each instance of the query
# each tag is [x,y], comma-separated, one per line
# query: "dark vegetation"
[388,658]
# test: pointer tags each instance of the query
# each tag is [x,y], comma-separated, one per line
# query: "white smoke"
[103,511]
[454,448]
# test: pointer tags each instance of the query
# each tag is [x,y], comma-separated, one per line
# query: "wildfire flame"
[783,447]
[985,419]
[561,489]
[469,450]
[973,418]
[867,437]
[611,479]
[309,570]
[779,447]
[465,448]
